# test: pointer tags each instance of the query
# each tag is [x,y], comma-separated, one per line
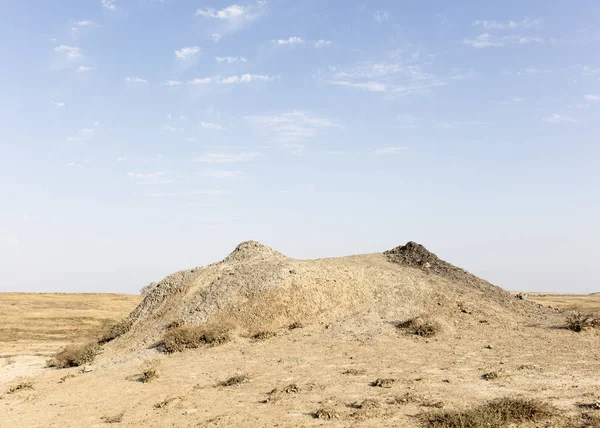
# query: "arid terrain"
[395,339]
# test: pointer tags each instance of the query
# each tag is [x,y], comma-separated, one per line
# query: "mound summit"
[256,288]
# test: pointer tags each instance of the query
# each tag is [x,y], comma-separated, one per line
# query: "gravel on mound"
[252,250]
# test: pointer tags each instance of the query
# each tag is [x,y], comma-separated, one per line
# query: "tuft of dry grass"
[150,371]
[578,321]
[64,378]
[235,380]
[494,414]
[21,386]
[326,414]
[115,419]
[295,325]
[190,337]
[179,322]
[354,372]
[74,356]
[493,375]
[383,383]
[166,402]
[264,335]
[113,331]
[420,326]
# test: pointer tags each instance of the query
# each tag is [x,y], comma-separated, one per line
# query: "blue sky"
[141,137]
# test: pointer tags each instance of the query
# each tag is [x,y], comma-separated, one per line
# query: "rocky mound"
[256,289]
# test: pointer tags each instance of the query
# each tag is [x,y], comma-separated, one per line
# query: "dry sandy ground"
[333,366]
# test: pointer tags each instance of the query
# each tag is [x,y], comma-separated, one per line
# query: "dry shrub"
[21,386]
[354,372]
[116,419]
[179,322]
[64,378]
[235,380]
[577,321]
[264,335]
[191,337]
[75,356]
[409,397]
[276,394]
[496,413]
[383,383]
[111,332]
[295,325]
[166,402]
[150,371]
[493,375]
[368,404]
[420,326]
[326,414]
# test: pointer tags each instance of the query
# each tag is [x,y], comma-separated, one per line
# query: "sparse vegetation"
[264,335]
[578,321]
[75,356]
[235,380]
[383,383]
[354,372]
[64,378]
[368,404]
[496,413]
[276,393]
[179,322]
[149,371]
[115,419]
[420,326]
[165,402]
[295,325]
[191,337]
[326,414]
[111,332]
[21,386]
[493,375]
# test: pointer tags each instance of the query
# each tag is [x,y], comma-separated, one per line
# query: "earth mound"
[256,289]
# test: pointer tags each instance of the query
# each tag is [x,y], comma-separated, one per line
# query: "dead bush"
[354,372]
[577,321]
[326,414]
[383,383]
[116,419]
[264,335]
[150,371]
[493,375]
[21,386]
[295,325]
[114,331]
[235,380]
[166,402]
[191,337]
[496,413]
[75,356]
[420,326]
[179,322]
[64,378]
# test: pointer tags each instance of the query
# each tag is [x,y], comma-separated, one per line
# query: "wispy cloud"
[591,97]
[235,13]
[57,104]
[382,15]
[83,134]
[188,193]
[487,40]
[223,157]
[174,83]
[230,59]
[392,77]
[390,150]
[216,37]
[322,43]
[209,125]
[135,80]
[235,79]
[508,25]
[187,53]
[83,69]
[85,23]
[158,177]
[70,52]
[109,4]
[289,127]
[557,118]
[221,174]
[294,40]
[528,71]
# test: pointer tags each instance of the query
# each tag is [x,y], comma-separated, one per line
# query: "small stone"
[489,347]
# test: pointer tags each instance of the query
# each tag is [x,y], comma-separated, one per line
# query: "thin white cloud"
[247,78]
[289,127]
[209,125]
[122,159]
[86,23]
[397,78]
[216,37]
[222,157]
[109,4]
[135,80]
[230,59]
[187,53]
[188,193]
[174,83]
[508,25]
[382,15]
[557,118]
[71,52]
[294,40]
[591,97]
[83,134]
[322,43]
[57,104]
[235,13]
[202,81]
[158,177]
[528,71]
[390,150]
[222,174]
[487,40]
[83,69]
